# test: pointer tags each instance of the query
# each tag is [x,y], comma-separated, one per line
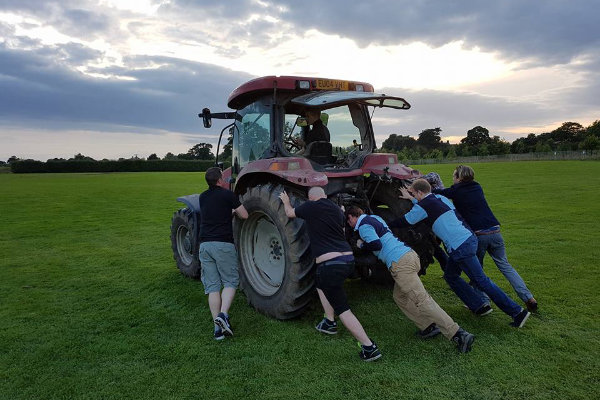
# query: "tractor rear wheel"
[276,268]
[185,248]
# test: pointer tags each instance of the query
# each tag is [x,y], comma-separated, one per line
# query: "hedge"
[33,166]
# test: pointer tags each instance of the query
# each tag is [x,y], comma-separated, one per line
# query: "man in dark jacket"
[468,198]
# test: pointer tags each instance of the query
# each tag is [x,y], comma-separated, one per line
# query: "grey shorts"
[219,263]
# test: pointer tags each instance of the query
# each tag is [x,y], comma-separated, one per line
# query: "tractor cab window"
[253,133]
[326,136]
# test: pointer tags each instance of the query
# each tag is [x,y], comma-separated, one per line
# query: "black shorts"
[330,279]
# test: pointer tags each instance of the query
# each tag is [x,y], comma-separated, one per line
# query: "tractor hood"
[336,98]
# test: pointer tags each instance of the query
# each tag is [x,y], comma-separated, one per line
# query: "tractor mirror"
[206,118]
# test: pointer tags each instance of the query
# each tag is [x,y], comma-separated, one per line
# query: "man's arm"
[371,241]
[241,212]
[289,210]
[447,192]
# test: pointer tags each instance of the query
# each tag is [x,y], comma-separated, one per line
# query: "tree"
[477,136]
[567,132]
[594,129]
[201,151]
[170,156]
[153,156]
[430,138]
[12,158]
[396,142]
[81,157]
[590,143]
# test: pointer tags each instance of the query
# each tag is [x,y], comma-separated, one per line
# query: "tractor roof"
[249,91]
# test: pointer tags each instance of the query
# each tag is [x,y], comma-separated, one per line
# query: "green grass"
[92,306]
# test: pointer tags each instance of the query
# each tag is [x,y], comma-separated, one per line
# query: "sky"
[119,78]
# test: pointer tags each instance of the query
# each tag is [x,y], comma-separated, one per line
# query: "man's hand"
[284,198]
[405,194]
[359,243]
[289,210]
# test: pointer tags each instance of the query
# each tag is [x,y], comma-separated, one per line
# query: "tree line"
[200,151]
[478,142]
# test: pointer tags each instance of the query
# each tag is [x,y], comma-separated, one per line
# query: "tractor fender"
[295,170]
[192,201]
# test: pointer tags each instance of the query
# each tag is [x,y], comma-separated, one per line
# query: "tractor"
[269,132]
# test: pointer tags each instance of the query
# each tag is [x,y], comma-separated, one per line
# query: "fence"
[552,155]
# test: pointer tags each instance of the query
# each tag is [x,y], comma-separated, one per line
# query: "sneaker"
[429,332]
[463,340]
[327,326]
[531,305]
[222,321]
[369,353]
[484,310]
[520,319]
[219,333]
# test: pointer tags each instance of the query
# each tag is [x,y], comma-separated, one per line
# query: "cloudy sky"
[114,78]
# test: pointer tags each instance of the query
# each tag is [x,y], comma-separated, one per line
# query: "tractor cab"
[323,120]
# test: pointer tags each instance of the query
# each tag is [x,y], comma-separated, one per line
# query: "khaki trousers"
[414,301]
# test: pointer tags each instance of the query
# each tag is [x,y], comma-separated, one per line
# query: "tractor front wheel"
[276,269]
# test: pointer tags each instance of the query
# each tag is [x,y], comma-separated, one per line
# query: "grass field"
[92,306]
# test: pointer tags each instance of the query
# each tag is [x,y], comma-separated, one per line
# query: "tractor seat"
[320,152]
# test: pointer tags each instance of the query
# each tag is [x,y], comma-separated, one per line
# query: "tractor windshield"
[254,133]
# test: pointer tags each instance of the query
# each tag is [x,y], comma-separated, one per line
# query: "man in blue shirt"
[409,293]
[461,245]
[335,262]
[469,200]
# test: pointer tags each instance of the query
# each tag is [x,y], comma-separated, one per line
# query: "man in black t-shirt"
[218,256]
[335,262]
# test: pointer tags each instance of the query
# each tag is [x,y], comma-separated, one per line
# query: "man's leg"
[420,304]
[327,309]
[474,271]
[227,296]
[354,326]
[498,253]
[463,290]
[214,303]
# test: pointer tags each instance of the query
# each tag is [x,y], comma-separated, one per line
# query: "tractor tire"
[276,267]
[185,248]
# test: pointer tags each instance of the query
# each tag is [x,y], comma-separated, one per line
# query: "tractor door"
[252,136]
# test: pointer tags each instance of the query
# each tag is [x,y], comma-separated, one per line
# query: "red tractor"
[273,151]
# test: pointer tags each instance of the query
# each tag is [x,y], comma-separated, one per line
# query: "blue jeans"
[464,259]
[494,245]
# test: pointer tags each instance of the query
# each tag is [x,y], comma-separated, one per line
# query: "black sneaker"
[484,310]
[520,319]
[463,340]
[327,326]
[222,321]
[532,305]
[429,332]
[219,333]
[369,353]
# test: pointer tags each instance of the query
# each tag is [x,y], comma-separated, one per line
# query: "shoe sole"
[524,320]
[326,332]
[485,313]
[220,337]
[377,357]
[223,325]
